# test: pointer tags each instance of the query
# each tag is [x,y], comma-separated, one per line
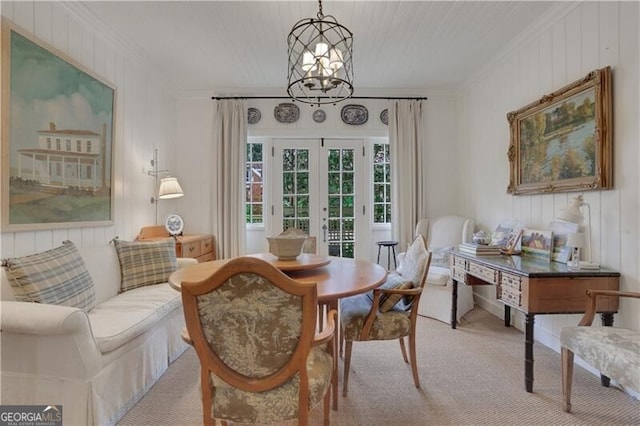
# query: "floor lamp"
[573,213]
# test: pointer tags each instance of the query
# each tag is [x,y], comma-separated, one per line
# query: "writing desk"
[534,287]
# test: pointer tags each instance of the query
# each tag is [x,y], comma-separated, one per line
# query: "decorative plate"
[253,115]
[319,116]
[384,116]
[286,113]
[354,114]
[174,224]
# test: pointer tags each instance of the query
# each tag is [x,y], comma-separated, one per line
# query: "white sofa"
[97,365]
[443,234]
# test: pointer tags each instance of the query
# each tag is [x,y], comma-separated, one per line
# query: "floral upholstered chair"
[390,311]
[254,331]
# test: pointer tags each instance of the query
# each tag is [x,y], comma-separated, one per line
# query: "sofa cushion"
[127,315]
[145,263]
[57,276]
[438,275]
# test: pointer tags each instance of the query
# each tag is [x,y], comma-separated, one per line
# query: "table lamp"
[573,213]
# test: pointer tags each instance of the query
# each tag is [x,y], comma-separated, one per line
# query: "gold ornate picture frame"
[564,141]
[57,138]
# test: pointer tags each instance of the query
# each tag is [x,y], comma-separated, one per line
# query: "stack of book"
[479,249]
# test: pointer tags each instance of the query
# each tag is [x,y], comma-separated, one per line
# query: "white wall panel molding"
[125,48]
[556,13]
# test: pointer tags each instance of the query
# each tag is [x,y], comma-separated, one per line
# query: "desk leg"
[607,321]
[507,316]
[454,304]
[528,353]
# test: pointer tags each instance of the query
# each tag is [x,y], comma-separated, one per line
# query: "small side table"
[391,246]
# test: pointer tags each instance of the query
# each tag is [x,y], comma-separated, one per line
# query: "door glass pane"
[341,217]
[295,189]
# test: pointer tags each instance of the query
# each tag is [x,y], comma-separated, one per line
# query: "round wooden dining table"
[337,277]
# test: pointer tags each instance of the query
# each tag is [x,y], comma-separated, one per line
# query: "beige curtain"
[228,197]
[408,198]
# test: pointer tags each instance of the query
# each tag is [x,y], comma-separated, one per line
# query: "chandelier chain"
[320,14]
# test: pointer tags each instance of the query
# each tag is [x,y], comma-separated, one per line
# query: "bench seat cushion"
[129,314]
[615,352]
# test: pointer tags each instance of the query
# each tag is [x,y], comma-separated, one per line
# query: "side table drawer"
[206,246]
[191,249]
[484,273]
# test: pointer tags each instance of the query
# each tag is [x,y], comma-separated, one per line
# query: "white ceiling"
[240,47]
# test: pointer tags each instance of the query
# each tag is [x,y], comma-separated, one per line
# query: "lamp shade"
[169,188]
[576,240]
[572,212]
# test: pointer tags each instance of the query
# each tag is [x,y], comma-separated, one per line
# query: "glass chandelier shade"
[320,60]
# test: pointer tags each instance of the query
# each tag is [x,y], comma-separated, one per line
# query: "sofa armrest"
[186,261]
[45,339]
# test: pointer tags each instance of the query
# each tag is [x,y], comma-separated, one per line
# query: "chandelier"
[320,65]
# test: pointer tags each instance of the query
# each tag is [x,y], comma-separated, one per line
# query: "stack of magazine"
[479,249]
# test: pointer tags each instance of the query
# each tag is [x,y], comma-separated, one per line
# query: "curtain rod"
[217,98]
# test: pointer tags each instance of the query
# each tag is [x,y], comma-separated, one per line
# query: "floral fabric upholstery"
[390,325]
[615,352]
[254,327]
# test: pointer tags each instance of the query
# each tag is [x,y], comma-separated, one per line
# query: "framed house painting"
[57,138]
[563,141]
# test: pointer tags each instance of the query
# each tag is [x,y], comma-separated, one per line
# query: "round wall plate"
[174,224]
[319,116]
[253,115]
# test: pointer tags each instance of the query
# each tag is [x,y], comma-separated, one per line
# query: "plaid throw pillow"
[393,281]
[145,263]
[57,277]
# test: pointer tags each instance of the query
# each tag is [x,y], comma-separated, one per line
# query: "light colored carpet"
[470,376]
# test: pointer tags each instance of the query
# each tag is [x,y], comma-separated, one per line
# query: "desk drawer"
[484,273]
[510,289]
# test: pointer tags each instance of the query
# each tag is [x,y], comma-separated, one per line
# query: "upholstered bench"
[613,351]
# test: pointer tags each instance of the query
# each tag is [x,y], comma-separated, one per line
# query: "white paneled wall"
[195,123]
[574,39]
[145,118]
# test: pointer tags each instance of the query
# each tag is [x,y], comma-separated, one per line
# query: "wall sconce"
[169,186]
[573,213]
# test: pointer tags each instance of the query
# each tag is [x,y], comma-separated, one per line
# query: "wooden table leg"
[454,304]
[607,321]
[528,353]
[507,316]
[336,339]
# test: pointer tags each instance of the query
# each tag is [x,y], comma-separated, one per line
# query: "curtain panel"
[408,198]
[228,192]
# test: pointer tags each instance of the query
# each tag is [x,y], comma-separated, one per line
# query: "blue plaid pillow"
[57,276]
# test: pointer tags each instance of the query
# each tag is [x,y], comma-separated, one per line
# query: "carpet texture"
[473,375]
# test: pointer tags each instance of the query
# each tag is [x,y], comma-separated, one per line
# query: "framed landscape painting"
[563,141]
[57,138]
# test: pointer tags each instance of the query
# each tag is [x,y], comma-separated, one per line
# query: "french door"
[319,186]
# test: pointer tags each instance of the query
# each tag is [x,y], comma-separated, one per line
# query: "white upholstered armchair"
[443,234]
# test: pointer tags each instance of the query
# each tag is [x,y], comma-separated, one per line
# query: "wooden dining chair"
[254,331]
[390,311]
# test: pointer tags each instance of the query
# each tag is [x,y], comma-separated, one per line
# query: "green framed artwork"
[57,138]
[563,141]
